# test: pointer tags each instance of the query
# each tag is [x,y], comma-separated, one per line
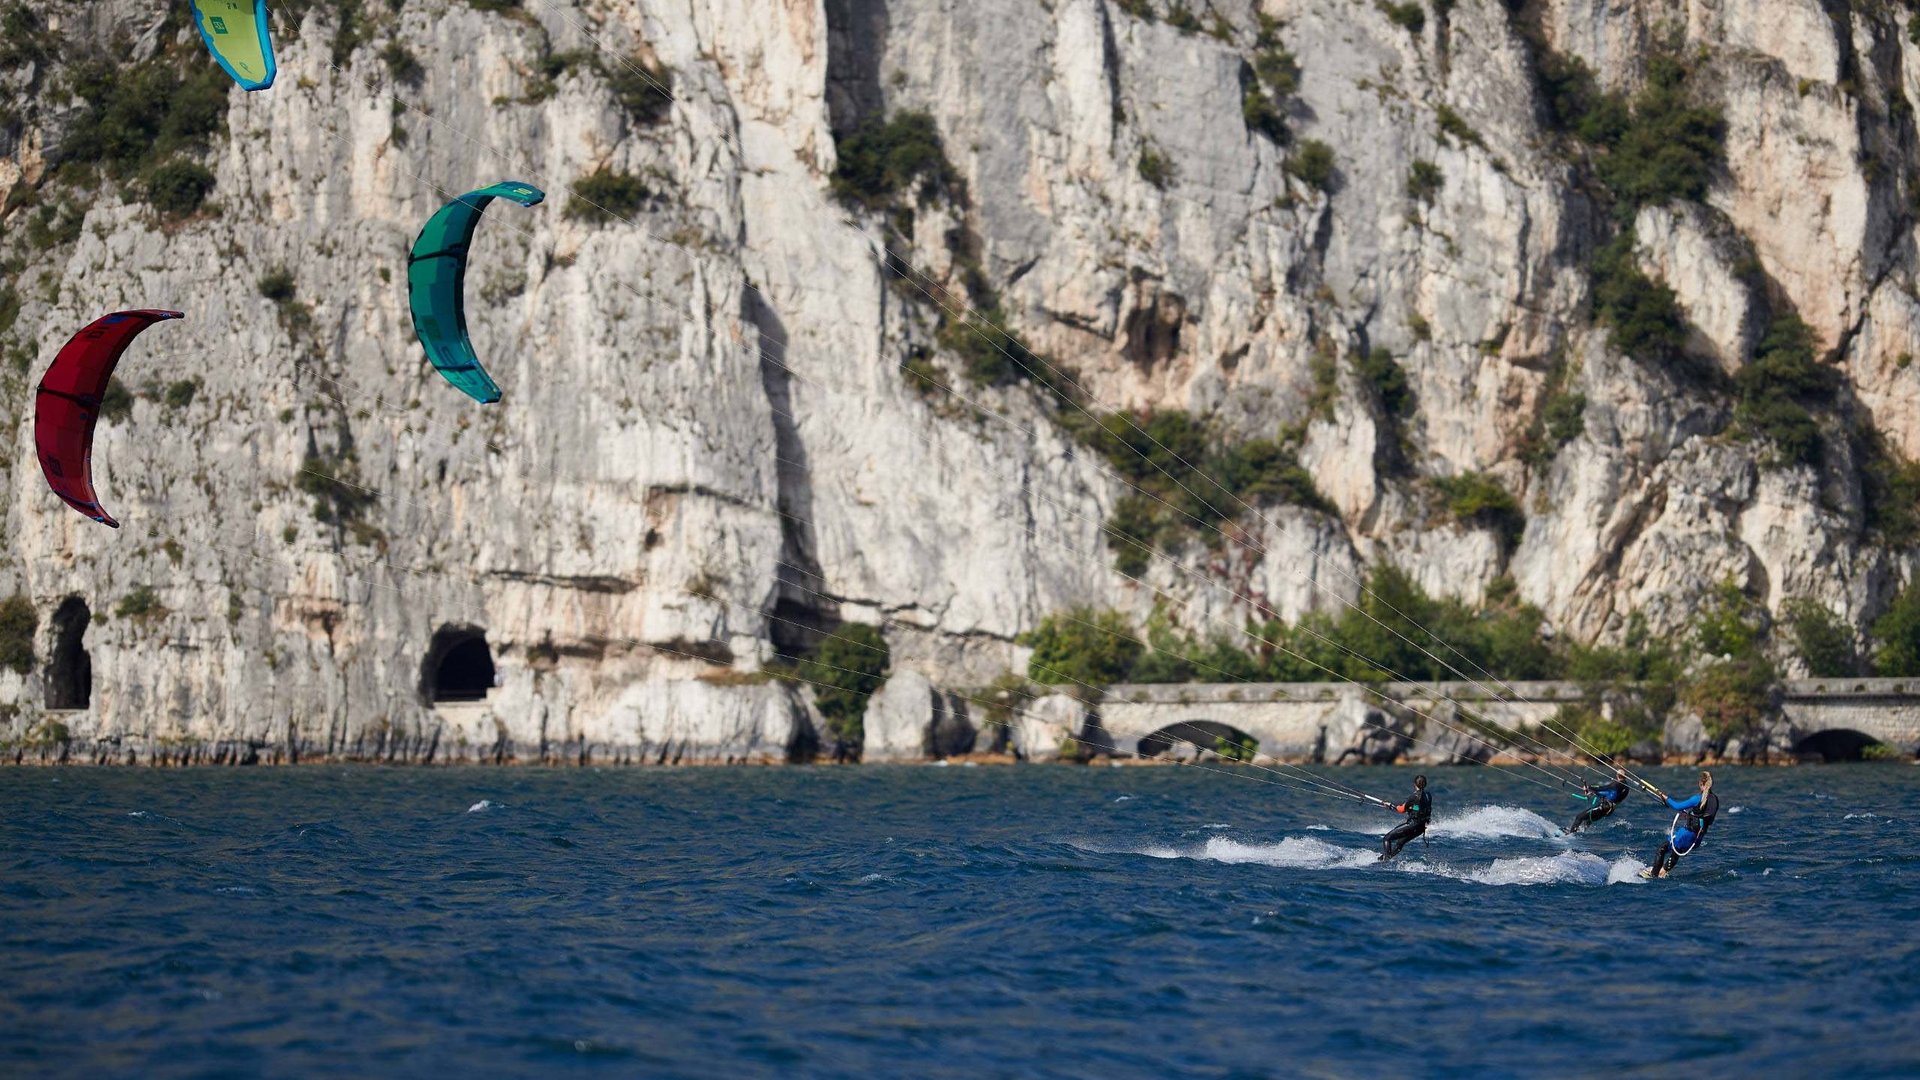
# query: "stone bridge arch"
[1846,719]
[1834,744]
[1205,736]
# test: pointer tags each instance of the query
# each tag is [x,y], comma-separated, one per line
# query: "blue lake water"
[942,922]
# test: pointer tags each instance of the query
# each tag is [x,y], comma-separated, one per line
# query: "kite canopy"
[68,403]
[236,34]
[436,277]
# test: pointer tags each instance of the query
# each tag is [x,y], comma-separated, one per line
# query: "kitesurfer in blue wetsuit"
[1600,800]
[1696,814]
[1419,811]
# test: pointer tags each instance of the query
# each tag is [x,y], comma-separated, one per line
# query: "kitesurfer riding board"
[1692,818]
[1419,811]
[1600,801]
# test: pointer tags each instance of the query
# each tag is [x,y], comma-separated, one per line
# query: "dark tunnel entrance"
[1840,744]
[70,669]
[458,667]
[1212,736]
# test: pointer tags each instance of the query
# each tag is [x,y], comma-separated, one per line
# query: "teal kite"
[236,34]
[436,277]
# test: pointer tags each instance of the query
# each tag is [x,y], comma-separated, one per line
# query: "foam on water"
[1485,823]
[1496,823]
[1302,852]
[1312,853]
[1566,868]
[481,807]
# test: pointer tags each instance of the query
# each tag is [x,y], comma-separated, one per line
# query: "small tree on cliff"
[1825,640]
[1897,635]
[1082,646]
[1732,690]
[17,625]
[850,665]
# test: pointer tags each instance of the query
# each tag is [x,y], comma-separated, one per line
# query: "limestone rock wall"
[707,444]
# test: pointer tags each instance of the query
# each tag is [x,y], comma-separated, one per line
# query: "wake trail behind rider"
[1601,801]
[1419,811]
[1695,816]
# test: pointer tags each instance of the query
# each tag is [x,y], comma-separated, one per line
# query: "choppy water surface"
[937,922]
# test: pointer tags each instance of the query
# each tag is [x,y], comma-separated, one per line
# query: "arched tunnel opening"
[69,678]
[1840,744]
[458,667]
[1211,736]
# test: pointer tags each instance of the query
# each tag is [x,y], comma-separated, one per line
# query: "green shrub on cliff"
[178,187]
[1670,145]
[134,116]
[1897,633]
[850,665]
[140,605]
[1312,162]
[1732,691]
[1730,623]
[1889,489]
[1824,641]
[1478,500]
[1731,696]
[18,622]
[1779,389]
[644,90]
[1378,369]
[1083,647]
[1186,479]
[884,159]
[1395,630]
[605,196]
[1642,316]
[1586,727]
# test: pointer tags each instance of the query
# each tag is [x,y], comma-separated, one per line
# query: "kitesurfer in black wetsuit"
[1419,811]
[1696,814]
[1600,800]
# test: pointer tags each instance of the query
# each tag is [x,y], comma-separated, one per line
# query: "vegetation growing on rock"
[1476,499]
[606,195]
[1823,641]
[884,159]
[18,622]
[1185,479]
[849,666]
[1779,389]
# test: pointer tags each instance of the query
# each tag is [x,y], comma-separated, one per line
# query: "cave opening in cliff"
[1840,744]
[1211,736]
[70,669]
[459,666]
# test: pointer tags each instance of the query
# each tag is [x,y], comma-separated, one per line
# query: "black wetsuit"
[1692,828]
[1603,799]
[1419,811]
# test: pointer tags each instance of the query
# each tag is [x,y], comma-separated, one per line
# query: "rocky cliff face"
[726,419]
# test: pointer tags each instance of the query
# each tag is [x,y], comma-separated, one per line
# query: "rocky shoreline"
[910,720]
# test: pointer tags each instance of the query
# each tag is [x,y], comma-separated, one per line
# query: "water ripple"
[937,923]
